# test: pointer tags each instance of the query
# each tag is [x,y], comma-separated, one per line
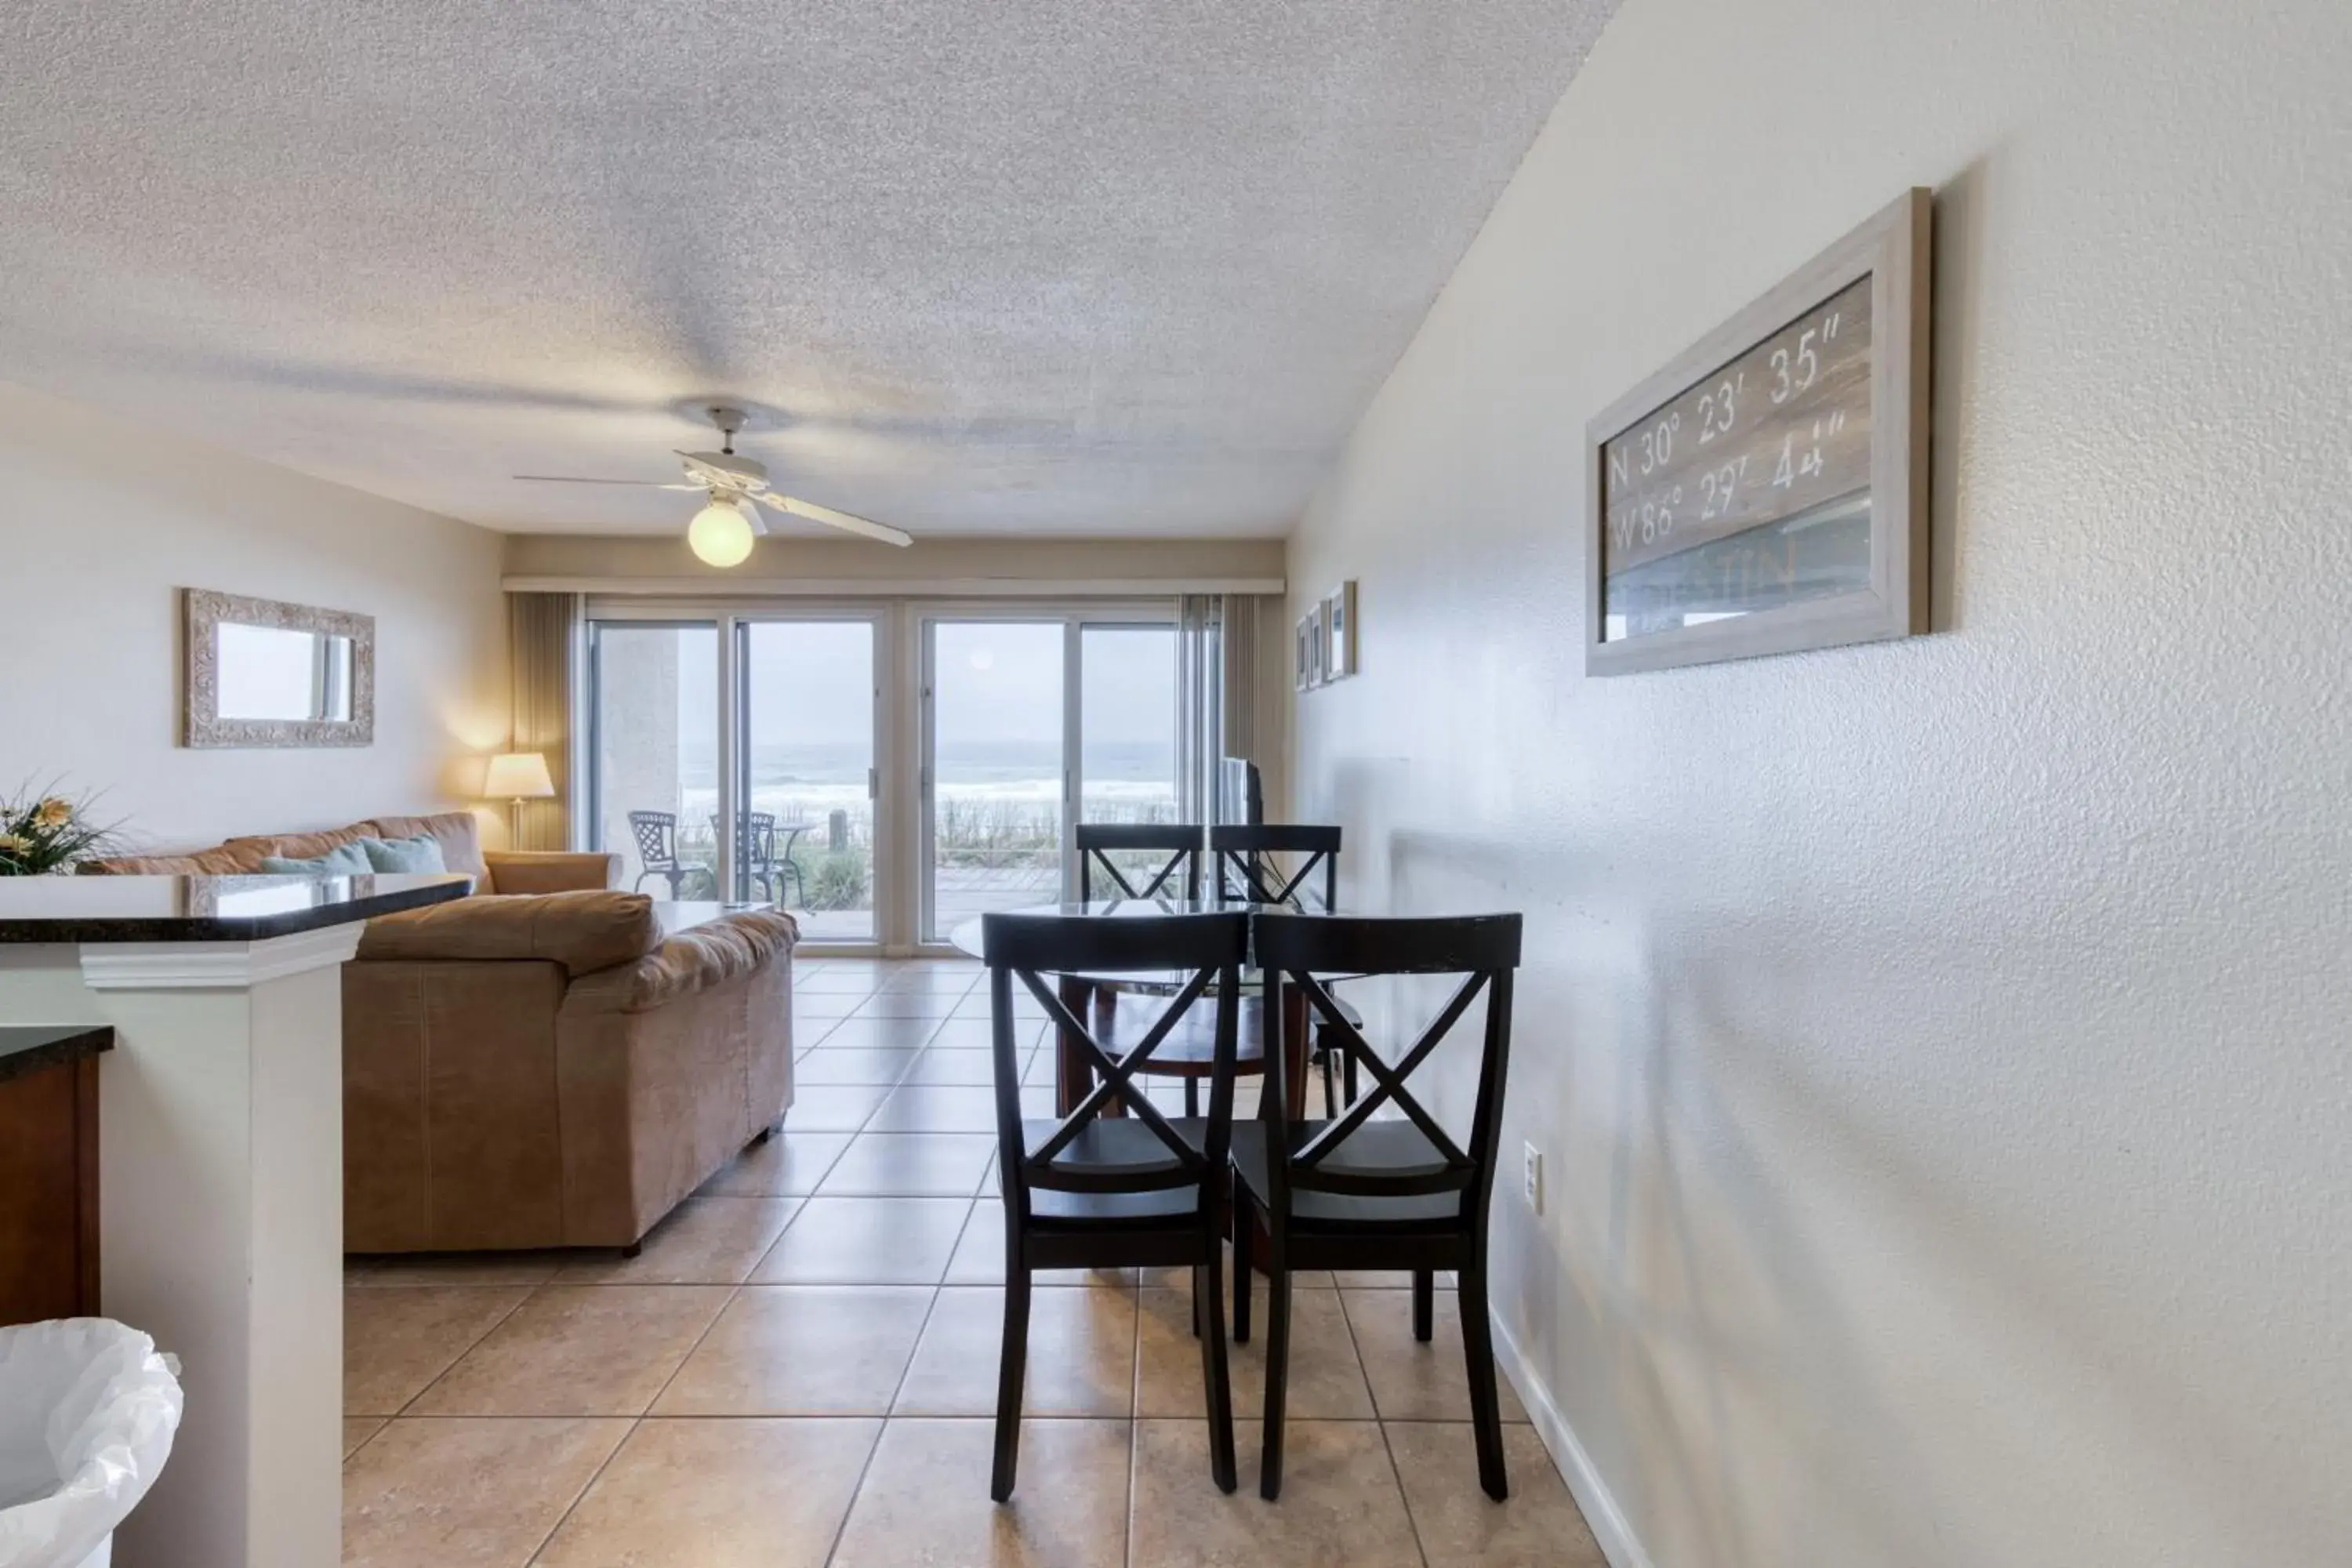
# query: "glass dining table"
[1093,995]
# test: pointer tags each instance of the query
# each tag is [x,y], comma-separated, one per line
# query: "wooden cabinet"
[48,1173]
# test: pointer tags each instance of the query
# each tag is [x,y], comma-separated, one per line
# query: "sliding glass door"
[995,783]
[885,771]
[1031,725]
[654,751]
[807,771]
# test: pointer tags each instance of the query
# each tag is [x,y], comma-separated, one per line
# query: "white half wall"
[101,524]
[1940,1048]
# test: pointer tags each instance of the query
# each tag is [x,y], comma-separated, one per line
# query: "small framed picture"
[1302,667]
[1339,632]
[1317,671]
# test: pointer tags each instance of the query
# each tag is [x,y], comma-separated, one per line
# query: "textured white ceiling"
[1022,266]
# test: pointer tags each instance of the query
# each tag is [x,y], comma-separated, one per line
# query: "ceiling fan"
[723,531]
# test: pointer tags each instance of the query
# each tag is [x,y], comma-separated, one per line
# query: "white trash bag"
[87,1413]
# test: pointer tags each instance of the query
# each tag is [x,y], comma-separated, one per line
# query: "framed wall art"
[1339,631]
[1767,492]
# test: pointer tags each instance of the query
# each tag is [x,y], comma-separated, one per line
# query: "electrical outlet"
[1532,1164]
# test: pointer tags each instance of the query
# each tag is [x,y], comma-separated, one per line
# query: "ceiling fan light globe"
[721,535]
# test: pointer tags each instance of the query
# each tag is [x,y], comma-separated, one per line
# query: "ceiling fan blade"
[847,522]
[575,480]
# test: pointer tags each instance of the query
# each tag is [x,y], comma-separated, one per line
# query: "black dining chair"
[1246,871]
[1091,1190]
[1178,876]
[1370,1192]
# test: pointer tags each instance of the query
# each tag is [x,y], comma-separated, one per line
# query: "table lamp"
[517,776]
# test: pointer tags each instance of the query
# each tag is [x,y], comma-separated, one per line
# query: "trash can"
[87,1413]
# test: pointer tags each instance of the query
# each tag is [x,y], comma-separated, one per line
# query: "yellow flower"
[54,811]
[13,843]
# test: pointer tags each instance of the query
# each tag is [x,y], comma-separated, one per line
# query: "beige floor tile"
[1385,1280]
[853,1064]
[937,1108]
[925,1501]
[978,1034]
[833,1108]
[397,1342]
[971,1068]
[910,1164]
[1412,1381]
[358,1429]
[717,1494]
[1081,1359]
[1461,1527]
[906,1005]
[792,1349]
[950,1108]
[866,1241]
[976,1005]
[882,1034]
[933,980]
[459,1268]
[578,1350]
[1340,1506]
[980,1256]
[790,1164]
[1182,1279]
[467,1493]
[834,979]
[703,1241]
[1324,1382]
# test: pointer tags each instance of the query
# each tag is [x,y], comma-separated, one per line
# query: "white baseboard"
[1617,1543]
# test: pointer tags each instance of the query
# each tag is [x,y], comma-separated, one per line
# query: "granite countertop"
[206,909]
[35,1047]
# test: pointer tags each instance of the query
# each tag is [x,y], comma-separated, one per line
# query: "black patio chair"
[656,835]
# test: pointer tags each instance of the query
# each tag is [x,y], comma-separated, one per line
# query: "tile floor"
[800,1369]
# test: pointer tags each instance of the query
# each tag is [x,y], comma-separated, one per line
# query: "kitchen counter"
[205,908]
[37,1047]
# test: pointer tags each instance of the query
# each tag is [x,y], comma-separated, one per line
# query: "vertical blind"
[1216,695]
[543,632]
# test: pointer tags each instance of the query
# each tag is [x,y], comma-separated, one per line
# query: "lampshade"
[517,775]
[722,534]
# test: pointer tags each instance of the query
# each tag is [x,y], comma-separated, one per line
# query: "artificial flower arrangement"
[41,832]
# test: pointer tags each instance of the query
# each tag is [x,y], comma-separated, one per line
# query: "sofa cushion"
[584,933]
[457,833]
[420,855]
[344,860]
[296,846]
[709,955]
[223,861]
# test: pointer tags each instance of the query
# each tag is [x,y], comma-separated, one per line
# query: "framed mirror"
[257,673]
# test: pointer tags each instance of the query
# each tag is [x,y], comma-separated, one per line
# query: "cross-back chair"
[1088,1191]
[1178,876]
[1248,873]
[1382,1185]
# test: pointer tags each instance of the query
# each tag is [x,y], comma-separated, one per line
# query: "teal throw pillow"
[419,855]
[342,861]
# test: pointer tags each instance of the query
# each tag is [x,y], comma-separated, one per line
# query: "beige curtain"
[544,634]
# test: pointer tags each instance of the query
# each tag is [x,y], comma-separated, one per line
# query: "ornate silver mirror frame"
[340,714]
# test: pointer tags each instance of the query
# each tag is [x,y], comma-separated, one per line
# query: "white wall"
[101,524]
[1940,1047]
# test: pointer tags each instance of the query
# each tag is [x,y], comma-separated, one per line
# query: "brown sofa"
[537,1066]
